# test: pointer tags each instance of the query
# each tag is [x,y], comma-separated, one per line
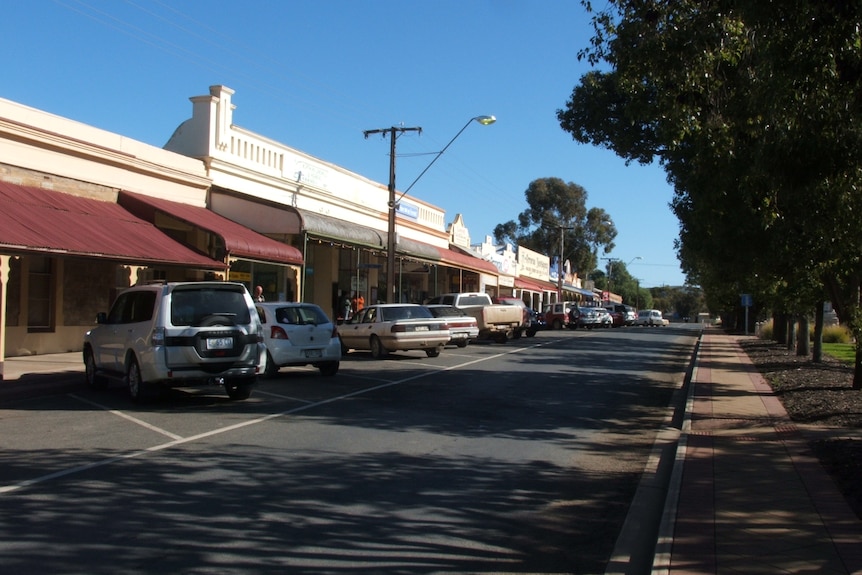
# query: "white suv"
[176,334]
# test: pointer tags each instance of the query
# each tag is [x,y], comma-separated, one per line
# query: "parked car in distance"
[498,322]
[173,334]
[536,322]
[556,315]
[618,319]
[299,334]
[463,328]
[584,316]
[651,317]
[605,319]
[381,328]
[628,312]
[526,313]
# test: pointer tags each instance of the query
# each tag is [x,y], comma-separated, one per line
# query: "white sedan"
[382,328]
[299,334]
[463,328]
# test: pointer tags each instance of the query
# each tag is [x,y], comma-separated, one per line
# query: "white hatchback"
[298,334]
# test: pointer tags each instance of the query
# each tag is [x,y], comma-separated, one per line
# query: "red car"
[556,315]
[618,319]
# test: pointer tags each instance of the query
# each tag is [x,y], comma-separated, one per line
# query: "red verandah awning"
[239,240]
[34,219]
[466,261]
[534,284]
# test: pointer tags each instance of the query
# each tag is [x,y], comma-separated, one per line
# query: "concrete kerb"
[664,541]
[635,553]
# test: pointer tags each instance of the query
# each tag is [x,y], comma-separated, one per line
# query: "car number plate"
[313,353]
[219,343]
[421,328]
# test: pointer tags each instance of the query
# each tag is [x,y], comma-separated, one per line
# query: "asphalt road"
[516,458]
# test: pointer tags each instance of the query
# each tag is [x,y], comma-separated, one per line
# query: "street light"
[484,120]
[393,203]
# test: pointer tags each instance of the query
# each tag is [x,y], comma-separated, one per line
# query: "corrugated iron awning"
[269,217]
[417,249]
[239,240]
[34,219]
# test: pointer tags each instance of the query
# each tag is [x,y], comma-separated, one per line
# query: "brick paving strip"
[753,498]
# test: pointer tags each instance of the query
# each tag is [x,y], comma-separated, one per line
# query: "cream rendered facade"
[280,191]
[212,164]
[50,152]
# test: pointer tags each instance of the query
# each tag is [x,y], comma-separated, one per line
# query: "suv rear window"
[191,305]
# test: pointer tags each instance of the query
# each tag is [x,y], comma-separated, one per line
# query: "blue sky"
[315,74]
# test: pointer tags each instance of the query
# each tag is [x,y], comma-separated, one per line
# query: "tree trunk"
[791,333]
[803,337]
[857,372]
[818,333]
[779,328]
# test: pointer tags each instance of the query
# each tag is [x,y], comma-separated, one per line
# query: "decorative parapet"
[235,154]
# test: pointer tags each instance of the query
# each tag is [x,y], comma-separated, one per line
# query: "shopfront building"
[338,219]
[69,240]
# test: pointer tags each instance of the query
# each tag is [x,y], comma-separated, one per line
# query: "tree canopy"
[557,216]
[754,109]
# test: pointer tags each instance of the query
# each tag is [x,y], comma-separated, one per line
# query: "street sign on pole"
[746,302]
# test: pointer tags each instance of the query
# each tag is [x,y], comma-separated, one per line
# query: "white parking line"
[149,426]
[280,396]
[183,440]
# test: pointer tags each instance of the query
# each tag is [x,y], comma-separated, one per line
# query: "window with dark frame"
[40,295]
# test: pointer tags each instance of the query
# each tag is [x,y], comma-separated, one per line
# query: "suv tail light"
[277,332]
[158,336]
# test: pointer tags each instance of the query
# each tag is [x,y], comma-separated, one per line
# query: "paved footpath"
[35,375]
[748,496]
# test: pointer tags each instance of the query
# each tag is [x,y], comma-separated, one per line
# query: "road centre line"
[4,489]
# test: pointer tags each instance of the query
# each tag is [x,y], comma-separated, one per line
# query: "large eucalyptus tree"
[557,216]
[755,111]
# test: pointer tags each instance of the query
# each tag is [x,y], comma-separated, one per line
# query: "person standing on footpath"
[358,302]
[258,293]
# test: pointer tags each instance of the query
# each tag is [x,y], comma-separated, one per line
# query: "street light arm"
[393,203]
[484,120]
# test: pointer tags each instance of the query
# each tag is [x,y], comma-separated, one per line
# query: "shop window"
[40,295]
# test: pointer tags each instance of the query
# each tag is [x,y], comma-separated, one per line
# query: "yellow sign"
[240,276]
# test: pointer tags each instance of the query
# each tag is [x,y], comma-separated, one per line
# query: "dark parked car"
[535,324]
